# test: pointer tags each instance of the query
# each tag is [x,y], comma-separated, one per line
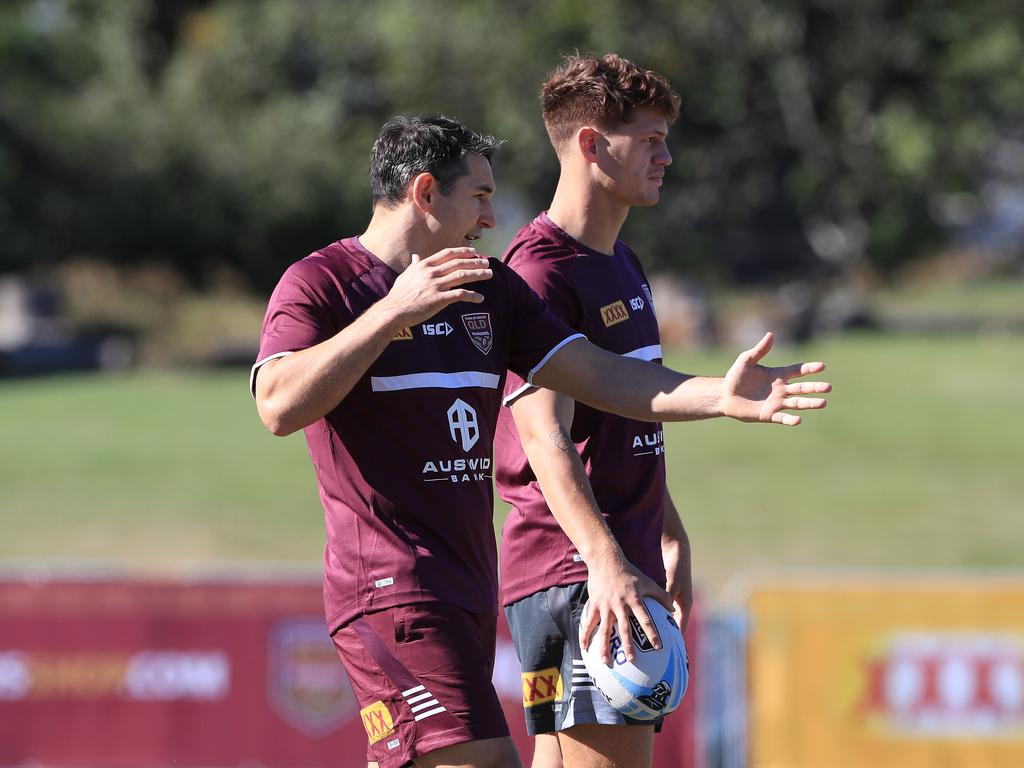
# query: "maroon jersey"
[403,463]
[608,299]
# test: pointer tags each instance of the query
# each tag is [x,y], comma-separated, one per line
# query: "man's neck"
[587,215]
[390,236]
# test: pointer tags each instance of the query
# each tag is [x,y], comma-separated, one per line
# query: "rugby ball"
[653,684]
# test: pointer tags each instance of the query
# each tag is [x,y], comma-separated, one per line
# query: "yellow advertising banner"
[901,673]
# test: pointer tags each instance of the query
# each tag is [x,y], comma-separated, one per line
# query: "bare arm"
[675,552]
[651,392]
[294,391]
[616,588]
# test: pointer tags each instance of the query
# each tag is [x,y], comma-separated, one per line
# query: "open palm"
[754,392]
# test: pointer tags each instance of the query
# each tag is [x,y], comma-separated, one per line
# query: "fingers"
[786,419]
[448,254]
[472,297]
[804,403]
[468,273]
[588,623]
[682,617]
[661,595]
[808,388]
[647,625]
[798,369]
[625,634]
[762,348]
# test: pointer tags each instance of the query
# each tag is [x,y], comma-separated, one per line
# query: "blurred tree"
[819,134]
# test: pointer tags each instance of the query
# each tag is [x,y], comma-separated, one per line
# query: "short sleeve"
[560,300]
[536,333]
[300,314]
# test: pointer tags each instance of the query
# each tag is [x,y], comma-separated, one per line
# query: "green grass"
[916,462]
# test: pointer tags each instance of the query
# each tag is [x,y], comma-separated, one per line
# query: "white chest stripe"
[434,380]
[652,352]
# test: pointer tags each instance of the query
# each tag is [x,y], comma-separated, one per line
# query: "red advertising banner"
[211,672]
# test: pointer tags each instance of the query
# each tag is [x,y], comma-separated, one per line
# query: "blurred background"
[847,174]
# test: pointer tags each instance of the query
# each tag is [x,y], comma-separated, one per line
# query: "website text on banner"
[200,673]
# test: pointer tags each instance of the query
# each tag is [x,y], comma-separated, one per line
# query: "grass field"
[917,462]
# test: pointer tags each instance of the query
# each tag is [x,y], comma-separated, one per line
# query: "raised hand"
[753,392]
[430,284]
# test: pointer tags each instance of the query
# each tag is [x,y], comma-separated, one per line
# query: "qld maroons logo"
[478,326]
[306,683]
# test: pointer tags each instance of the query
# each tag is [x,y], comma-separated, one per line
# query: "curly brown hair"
[606,90]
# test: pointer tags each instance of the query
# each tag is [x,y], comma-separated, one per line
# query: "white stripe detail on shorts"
[432,703]
[652,352]
[551,352]
[256,367]
[411,691]
[428,714]
[434,380]
[419,697]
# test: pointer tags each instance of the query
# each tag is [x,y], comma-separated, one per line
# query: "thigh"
[490,753]
[607,746]
[540,646]
[422,675]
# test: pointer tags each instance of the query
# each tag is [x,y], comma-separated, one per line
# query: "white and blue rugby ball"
[653,684]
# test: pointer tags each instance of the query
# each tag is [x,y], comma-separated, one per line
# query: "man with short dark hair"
[389,349]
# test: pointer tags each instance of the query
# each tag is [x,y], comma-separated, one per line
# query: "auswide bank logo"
[947,684]
[306,683]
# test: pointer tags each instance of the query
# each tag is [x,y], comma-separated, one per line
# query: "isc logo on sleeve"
[614,313]
[541,686]
[377,721]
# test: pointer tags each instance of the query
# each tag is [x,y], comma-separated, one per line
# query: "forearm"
[566,488]
[632,388]
[675,552]
[294,391]
[673,530]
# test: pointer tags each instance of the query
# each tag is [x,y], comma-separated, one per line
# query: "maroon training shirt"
[403,463]
[608,299]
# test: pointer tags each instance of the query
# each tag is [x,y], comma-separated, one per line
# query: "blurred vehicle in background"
[37,338]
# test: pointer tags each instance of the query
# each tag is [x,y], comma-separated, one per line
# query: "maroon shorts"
[422,676]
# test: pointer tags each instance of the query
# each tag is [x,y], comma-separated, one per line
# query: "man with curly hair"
[591,515]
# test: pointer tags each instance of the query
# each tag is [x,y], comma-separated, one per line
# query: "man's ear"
[587,140]
[422,190]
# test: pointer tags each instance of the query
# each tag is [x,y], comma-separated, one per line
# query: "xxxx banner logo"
[377,721]
[614,313]
[541,686]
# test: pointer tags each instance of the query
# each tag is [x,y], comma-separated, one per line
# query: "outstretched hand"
[753,392]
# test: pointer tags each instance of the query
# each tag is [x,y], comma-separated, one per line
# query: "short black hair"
[434,144]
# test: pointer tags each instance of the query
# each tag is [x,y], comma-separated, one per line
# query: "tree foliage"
[207,133]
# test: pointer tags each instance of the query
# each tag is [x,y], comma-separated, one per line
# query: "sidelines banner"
[895,672]
[211,672]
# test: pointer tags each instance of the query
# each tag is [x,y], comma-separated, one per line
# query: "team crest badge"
[306,683]
[478,326]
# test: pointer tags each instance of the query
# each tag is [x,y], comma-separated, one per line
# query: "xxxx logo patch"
[403,335]
[614,313]
[377,721]
[541,686]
